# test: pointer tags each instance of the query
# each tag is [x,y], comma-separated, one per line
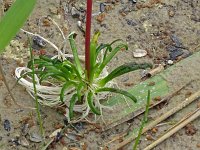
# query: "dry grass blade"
[161,118]
[175,128]
[140,111]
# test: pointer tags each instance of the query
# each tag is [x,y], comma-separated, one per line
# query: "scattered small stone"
[99,143]
[75,13]
[131,22]
[15,141]
[139,53]
[7,125]
[124,79]
[55,133]
[149,137]
[53,10]
[80,26]
[190,129]
[123,14]
[101,17]
[151,83]
[133,1]
[188,94]
[186,53]
[144,73]
[84,146]
[129,84]
[157,98]
[46,22]
[171,12]
[25,129]
[198,105]
[173,55]
[170,62]
[24,142]
[58,137]
[102,7]
[128,38]
[155,130]
[108,8]
[39,42]
[176,40]
[19,110]
[34,137]
[198,145]
[79,126]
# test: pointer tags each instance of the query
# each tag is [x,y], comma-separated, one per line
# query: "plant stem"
[143,121]
[35,93]
[87,37]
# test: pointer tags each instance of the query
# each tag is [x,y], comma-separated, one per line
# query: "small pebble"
[24,142]
[75,13]
[7,125]
[198,145]
[34,137]
[176,40]
[38,41]
[102,7]
[158,98]
[170,62]
[139,53]
[149,137]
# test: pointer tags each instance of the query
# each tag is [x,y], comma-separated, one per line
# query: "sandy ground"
[146,26]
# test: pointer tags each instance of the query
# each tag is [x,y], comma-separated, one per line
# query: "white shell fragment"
[55,133]
[139,53]
[170,62]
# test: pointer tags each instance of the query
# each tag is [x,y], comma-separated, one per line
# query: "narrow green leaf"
[54,75]
[75,53]
[110,56]
[143,121]
[93,45]
[64,88]
[45,58]
[14,20]
[29,74]
[71,106]
[122,70]
[79,89]
[90,103]
[125,93]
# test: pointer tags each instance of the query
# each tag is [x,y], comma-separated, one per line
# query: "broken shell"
[170,62]
[55,133]
[24,142]
[34,137]
[139,53]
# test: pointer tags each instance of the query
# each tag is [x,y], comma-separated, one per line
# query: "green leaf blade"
[110,56]
[91,105]
[14,20]
[71,106]
[119,91]
[122,70]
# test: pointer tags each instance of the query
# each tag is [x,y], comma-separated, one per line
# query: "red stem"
[87,37]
